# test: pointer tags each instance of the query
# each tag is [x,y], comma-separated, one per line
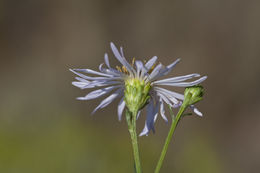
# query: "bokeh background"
[44,129]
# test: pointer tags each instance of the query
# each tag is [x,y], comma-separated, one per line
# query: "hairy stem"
[131,121]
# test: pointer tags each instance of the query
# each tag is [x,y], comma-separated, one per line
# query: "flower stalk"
[191,95]
[131,121]
[169,137]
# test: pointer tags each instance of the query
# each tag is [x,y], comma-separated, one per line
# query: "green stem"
[131,121]
[169,137]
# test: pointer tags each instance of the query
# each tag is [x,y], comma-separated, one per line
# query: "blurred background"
[43,128]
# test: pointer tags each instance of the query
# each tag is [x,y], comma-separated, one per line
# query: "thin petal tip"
[196,75]
[196,111]
[143,134]
[112,45]
[178,60]
[81,98]
[94,111]
[203,78]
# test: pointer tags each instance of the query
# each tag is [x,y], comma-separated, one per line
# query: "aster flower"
[137,84]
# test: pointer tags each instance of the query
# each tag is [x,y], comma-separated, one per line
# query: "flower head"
[136,94]
[137,85]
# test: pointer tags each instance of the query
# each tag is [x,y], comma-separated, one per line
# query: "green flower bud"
[193,94]
[136,94]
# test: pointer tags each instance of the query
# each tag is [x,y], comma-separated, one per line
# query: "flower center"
[123,69]
[136,94]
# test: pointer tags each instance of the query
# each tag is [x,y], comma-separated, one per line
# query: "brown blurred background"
[44,129]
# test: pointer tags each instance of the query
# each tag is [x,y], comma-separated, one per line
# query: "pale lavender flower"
[113,80]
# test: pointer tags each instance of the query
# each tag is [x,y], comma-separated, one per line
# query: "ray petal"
[93,78]
[121,59]
[168,96]
[89,71]
[184,84]
[166,70]
[98,93]
[107,60]
[120,108]
[155,72]
[162,110]
[178,78]
[171,93]
[80,85]
[108,100]
[196,111]
[150,63]
[152,113]
[139,67]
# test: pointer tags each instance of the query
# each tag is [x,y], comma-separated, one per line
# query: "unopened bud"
[193,94]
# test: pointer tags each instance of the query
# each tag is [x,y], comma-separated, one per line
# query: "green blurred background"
[43,129]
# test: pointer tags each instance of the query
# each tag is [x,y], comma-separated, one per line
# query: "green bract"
[136,94]
[193,94]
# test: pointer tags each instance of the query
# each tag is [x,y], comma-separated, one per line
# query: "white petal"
[139,67]
[110,71]
[162,110]
[184,84]
[145,131]
[83,84]
[152,113]
[98,93]
[94,78]
[80,85]
[106,60]
[101,83]
[120,108]
[89,71]
[121,51]
[178,78]
[165,99]
[149,116]
[170,93]
[144,73]
[138,114]
[121,59]
[166,70]
[177,105]
[156,112]
[196,111]
[108,100]
[171,66]
[169,97]
[81,79]
[150,63]
[155,72]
